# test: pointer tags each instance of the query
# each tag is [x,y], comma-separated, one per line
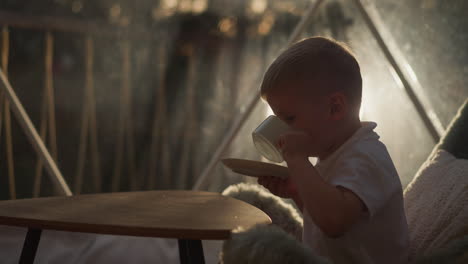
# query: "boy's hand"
[294,144]
[282,188]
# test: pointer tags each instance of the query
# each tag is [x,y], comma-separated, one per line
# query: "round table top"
[170,214]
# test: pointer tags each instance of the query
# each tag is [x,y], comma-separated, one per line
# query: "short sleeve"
[368,172]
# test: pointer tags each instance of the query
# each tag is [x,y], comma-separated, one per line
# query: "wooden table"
[188,216]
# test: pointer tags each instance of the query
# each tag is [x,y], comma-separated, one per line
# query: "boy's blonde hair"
[318,59]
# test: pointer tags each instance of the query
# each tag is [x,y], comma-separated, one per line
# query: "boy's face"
[305,109]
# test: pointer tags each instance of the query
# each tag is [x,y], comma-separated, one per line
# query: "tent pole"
[411,85]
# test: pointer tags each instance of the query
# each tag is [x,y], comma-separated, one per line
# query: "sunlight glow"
[267,23]
[166,8]
[168,4]
[411,73]
[185,6]
[396,78]
[227,26]
[287,6]
[269,112]
[258,6]
[77,6]
[114,12]
[199,6]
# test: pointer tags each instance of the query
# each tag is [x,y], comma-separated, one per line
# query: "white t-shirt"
[363,165]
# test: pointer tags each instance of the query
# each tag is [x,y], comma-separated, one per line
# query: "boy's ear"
[338,105]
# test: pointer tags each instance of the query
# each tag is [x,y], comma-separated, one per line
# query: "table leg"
[30,246]
[191,251]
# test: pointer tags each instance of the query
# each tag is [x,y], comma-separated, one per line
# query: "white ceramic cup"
[266,135]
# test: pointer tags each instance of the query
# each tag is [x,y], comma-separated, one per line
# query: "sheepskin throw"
[281,213]
[436,203]
[266,244]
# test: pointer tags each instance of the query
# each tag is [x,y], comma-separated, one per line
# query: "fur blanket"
[281,213]
[266,244]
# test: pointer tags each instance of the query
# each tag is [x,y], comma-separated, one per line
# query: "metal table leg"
[191,251]
[30,246]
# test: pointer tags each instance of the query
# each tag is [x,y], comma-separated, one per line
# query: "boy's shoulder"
[364,142]
[365,167]
[362,154]
[370,148]
[368,153]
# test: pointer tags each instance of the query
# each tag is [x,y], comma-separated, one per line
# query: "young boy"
[352,199]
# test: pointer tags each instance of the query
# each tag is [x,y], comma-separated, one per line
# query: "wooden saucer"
[256,168]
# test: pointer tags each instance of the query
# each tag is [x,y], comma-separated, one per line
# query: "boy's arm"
[333,209]
[284,188]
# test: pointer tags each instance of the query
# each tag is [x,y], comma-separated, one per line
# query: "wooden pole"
[165,148]
[31,133]
[159,120]
[82,147]
[6,111]
[47,110]
[49,41]
[43,134]
[133,177]
[2,95]
[189,128]
[88,124]
[123,123]
[96,167]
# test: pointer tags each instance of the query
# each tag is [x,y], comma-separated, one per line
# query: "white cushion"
[435,203]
